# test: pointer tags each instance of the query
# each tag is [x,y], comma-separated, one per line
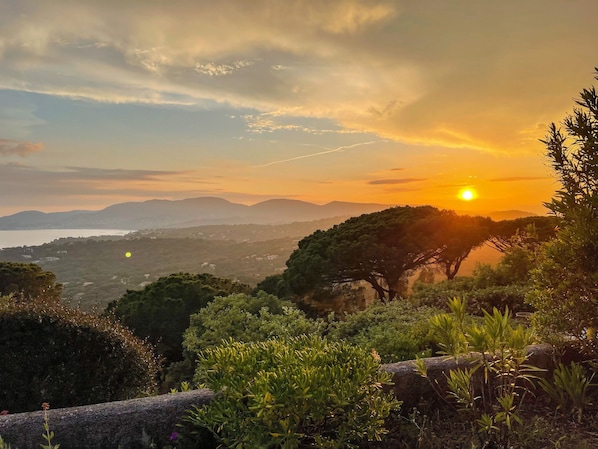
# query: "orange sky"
[389,101]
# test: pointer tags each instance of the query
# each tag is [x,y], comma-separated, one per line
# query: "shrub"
[397,331]
[569,388]
[565,283]
[247,318]
[302,392]
[478,299]
[160,311]
[492,388]
[50,353]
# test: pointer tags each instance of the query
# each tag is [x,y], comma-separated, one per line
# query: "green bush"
[397,331]
[247,318]
[300,392]
[160,311]
[478,298]
[50,353]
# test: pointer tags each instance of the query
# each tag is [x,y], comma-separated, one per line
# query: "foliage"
[565,289]
[27,281]
[160,312]
[569,388]
[247,318]
[502,286]
[95,271]
[478,299]
[512,269]
[302,392]
[4,444]
[396,331]
[440,430]
[64,356]
[526,232]
[381,249]
[460,234]
[493,387]
[275,284]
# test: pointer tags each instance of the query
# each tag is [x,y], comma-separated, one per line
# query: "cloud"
[319,153]
[87,173]
[212,69]
[474,75]
[16,148]
[395,181]
[518,178]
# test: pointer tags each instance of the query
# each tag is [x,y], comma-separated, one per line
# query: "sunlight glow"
[467,194]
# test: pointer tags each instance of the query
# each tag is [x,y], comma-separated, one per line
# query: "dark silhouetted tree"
[381,248]
[28,281]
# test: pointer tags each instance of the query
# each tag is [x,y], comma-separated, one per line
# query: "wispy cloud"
[319,153]
[518,178]
[89,173]
[16,148]
[395,181]
[214,69]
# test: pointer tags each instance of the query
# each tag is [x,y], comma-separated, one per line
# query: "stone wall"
[133,424]
[137,423]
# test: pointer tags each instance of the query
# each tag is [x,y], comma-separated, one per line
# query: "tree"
[381,249]
[526,232]
[28,281]
[565,291]
[461,234]
[160,312]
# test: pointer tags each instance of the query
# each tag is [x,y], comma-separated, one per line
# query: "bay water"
[35,237]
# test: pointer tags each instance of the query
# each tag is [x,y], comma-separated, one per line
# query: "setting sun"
[467,194]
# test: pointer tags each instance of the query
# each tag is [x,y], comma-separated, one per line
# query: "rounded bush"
[51,353]
[396,331]
[292,393]
[160,311]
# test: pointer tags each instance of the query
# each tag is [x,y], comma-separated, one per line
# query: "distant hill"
[508,215]
[499,215]
[186,213]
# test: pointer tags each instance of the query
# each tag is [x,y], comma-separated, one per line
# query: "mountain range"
[189,212]
[156,214]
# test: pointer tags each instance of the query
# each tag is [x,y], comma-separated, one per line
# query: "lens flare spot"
[128,254]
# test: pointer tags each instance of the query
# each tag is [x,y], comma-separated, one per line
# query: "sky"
[375,101]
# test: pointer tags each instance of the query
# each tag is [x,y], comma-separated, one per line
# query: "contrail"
[318,153]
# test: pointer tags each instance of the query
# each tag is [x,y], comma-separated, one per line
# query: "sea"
[36,237]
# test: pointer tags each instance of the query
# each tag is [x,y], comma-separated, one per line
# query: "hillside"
[94,271]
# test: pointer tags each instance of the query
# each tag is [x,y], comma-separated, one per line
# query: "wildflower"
[45,406]
[174,436]
[376,355]
[4,412]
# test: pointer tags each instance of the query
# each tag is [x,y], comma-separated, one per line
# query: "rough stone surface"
[411,388]
[137,423]
[132,424]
